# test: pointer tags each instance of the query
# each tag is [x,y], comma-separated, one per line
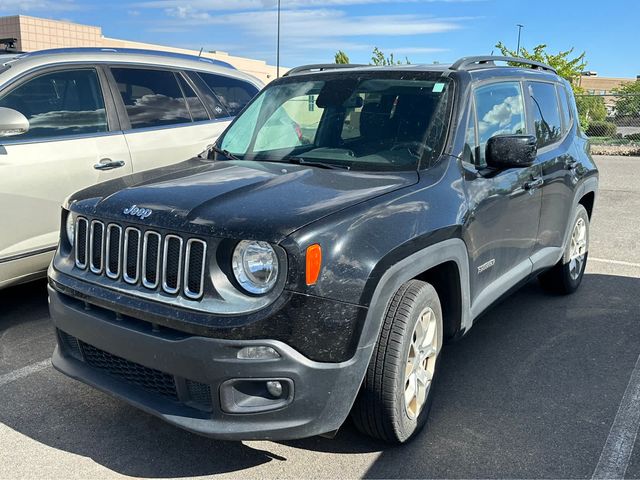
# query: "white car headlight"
[70,228]
[255,266]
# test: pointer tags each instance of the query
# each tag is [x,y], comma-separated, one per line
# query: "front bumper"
[140,363]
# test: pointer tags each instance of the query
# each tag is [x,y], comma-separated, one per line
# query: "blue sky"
[313,30]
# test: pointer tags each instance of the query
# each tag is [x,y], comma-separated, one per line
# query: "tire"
[380,410]
[565,277]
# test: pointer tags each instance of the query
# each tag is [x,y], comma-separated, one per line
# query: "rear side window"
[545,113]
[65,102]
[152,97]
[196,107]
[500,111]
[565,109]
[233,93]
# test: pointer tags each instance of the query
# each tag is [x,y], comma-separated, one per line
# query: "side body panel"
[159,147]
[35,178]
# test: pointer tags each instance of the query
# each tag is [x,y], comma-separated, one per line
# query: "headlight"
[70,228]
[255,266]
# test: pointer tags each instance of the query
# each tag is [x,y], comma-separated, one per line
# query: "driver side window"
[500,111]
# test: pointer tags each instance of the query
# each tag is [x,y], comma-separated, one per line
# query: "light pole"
[520,26]
[278,45]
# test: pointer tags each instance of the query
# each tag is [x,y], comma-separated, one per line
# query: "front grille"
[154,381]
[172,261]
[147,258]
[81,240]
[114,250]
[151,255]
[96,246]
[144,377]
[199,392]
[131,255]
[194,268]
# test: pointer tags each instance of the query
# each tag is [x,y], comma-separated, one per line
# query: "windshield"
[373,121]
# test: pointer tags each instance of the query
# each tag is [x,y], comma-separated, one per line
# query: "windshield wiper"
[226,153]
[313,163]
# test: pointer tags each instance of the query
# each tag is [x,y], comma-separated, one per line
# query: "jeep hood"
[235,199]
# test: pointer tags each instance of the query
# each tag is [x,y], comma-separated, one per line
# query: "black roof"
[467,64]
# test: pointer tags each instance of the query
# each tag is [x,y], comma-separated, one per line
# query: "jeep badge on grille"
[136,211]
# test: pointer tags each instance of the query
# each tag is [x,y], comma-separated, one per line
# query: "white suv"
[70,118]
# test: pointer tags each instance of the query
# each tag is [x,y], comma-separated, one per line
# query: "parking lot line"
[617,450]
[24,372]
[614,262]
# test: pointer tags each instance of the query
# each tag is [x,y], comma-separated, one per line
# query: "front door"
[68,147]
[504,206]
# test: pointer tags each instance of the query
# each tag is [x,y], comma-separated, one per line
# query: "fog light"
[261,352]
[254,395]
[274,388]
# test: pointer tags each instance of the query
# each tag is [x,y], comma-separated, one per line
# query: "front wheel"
[397,390]
[565,277]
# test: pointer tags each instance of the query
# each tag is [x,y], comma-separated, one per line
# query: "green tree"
[566,64]
[569,67]
[628,103]
[341,57]
[379,58]
[591,108]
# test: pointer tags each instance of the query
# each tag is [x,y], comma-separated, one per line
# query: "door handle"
[108,164]
[533,184]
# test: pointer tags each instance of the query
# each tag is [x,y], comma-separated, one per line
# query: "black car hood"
[235,199]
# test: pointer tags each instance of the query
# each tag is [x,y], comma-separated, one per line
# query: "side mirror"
[12,122]
[511,151]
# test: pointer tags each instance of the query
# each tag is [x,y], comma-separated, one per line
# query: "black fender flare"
[453,249]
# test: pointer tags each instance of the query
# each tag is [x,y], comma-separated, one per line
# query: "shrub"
[598,128]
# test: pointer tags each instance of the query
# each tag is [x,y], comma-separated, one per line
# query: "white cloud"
[228,5]
[401,51]
[310,29]
[319,23]
[37,6]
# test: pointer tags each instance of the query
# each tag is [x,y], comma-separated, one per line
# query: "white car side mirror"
[12,122]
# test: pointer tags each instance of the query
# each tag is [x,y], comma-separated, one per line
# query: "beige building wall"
[35,33]
[601,85]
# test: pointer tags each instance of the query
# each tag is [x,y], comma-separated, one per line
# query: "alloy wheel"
[578,248]
[421,362]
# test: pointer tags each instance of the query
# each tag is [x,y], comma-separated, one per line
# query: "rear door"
[502,224]
[73,142]
[551,121]
[165,120]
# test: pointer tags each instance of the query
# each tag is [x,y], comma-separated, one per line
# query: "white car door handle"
[108,164]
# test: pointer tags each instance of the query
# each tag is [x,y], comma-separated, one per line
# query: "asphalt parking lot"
[536,389]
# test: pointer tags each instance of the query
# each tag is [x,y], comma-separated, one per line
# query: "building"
[604,87]
[34,33]
[595,85]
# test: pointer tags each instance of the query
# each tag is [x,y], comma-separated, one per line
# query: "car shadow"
[529,392]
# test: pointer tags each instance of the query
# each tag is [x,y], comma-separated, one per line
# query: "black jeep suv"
[312,262]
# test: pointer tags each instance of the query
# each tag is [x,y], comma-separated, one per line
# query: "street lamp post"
[278,45]
[520,26]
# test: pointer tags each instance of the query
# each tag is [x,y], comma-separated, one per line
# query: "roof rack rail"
[468,63]
[320,67]
[132,51]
